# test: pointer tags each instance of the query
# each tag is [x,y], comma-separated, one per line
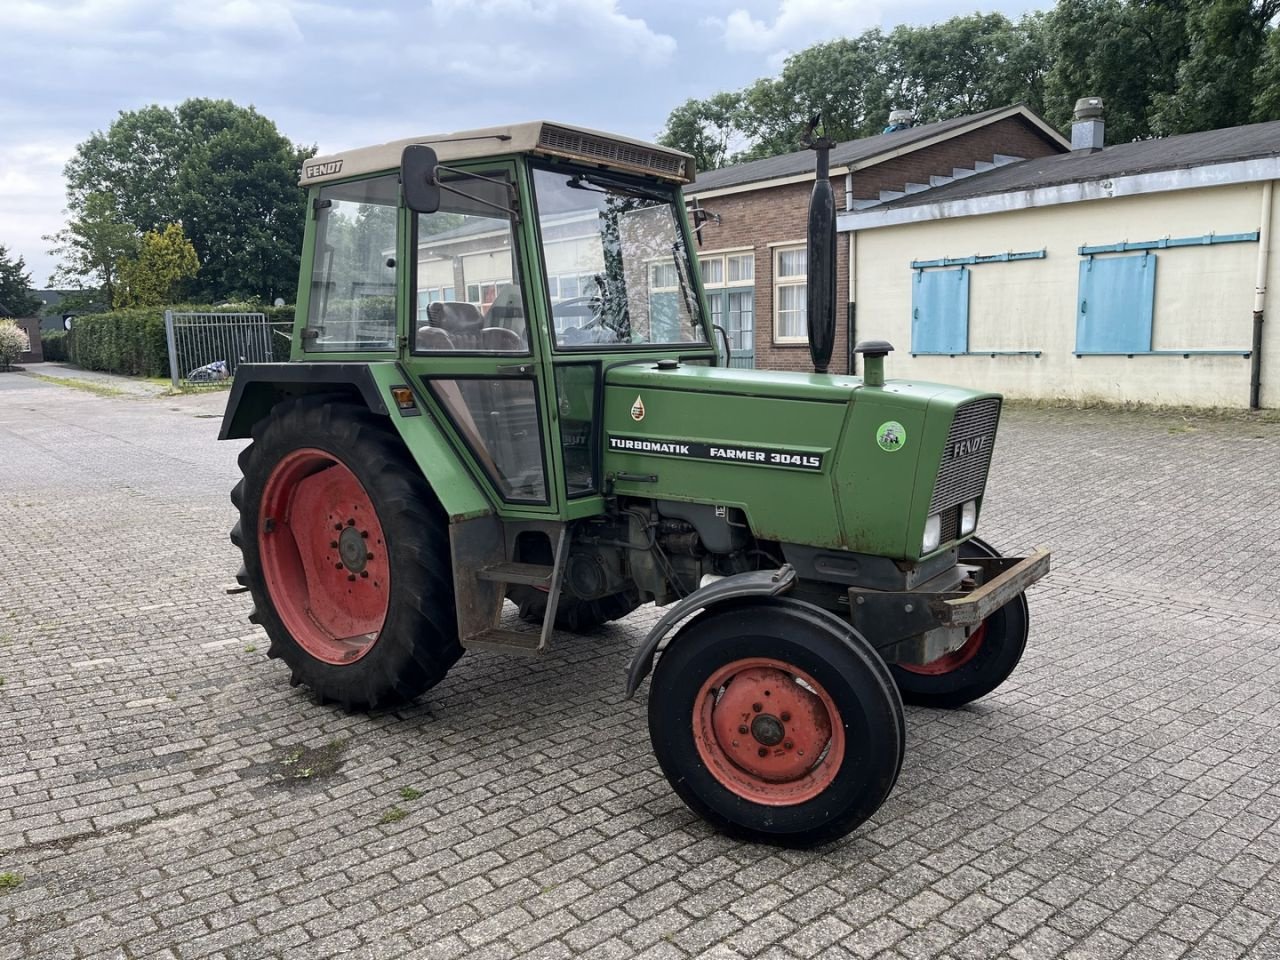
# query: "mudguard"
[754,583]
[260,386]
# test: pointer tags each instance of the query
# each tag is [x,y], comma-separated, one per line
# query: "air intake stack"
[820,296]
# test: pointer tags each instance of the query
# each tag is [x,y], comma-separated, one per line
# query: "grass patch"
[394,815]
[9,881]
[101,389]
[408,793]
[308,763]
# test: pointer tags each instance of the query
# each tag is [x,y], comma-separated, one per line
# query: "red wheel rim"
[793,744]
[950,662]
[324,556]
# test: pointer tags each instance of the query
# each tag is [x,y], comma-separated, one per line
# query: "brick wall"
[754,221]
[773,215]
[1012,136]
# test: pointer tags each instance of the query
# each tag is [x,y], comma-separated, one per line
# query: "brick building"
[752,248]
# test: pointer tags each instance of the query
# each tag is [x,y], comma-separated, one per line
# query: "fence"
[206,348]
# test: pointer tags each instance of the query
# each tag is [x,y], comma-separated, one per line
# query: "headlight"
[932,533]
[968,518]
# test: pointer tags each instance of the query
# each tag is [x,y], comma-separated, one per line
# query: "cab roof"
[539,137]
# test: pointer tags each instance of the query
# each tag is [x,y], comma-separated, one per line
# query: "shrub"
[54,344]
[13,344]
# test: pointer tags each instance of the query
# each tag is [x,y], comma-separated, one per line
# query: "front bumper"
[1004,578]
[952,603]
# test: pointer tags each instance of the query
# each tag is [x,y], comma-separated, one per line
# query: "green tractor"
[505,385]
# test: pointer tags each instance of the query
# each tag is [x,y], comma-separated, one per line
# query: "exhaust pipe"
[820,295]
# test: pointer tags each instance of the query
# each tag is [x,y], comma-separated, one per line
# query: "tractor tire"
[346,555]
[776,722]
[572,614]
[985,661]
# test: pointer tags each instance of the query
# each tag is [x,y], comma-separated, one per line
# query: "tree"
[705,129]
[223,171]
[15,287]
[964,65]
[165,259]
[136,161]
[92,245]
[1215,82]
[242,206]
[844,80]
[1266,105]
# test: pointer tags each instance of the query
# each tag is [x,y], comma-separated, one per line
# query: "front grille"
[967,455]
[575,144]
[950,525]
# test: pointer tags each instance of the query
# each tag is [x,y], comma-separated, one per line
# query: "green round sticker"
[891,436]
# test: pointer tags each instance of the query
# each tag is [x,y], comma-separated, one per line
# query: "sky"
[346,73]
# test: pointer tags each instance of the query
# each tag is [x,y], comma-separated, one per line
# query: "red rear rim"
[950,662]
[324,556]
[768,732]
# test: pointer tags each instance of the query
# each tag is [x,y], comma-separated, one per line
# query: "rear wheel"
[985,660]
[776,722]
[346,555]
[573,615]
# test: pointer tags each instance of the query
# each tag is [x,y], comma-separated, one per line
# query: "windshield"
[616,262]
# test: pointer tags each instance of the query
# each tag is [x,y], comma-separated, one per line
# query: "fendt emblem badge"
[325,169]
[966,448]
[637,410]
[891,437]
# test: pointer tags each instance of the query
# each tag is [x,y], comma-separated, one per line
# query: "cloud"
[588,28]
[798,23]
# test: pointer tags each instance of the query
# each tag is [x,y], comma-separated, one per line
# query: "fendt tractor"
[506,385]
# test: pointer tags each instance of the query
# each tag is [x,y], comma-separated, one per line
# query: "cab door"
[468,336]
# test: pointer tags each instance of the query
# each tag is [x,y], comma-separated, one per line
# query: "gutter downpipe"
[1260,298]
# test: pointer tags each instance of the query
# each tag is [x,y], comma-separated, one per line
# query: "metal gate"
[206,348]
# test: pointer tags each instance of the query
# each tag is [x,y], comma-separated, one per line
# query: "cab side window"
[467,292]
[352,305]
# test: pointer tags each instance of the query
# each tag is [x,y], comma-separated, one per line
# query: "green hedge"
[133,341]
[54,344]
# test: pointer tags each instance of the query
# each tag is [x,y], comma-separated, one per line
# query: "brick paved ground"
[165,793]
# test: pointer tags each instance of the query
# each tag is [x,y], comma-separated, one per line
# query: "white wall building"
[1131,273]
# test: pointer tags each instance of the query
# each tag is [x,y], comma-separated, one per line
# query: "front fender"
[754,583]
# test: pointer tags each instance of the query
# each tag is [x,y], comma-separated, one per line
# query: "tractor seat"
[432,340]
[462,321]
[501,340]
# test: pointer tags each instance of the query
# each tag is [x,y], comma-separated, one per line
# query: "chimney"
[1088,128]
[900,120]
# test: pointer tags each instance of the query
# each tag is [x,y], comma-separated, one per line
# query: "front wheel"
[346,555]
[985,660]
[776,722]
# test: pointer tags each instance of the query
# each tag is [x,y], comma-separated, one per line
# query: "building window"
[729,281]
[940,311]
[1116,305]
[790,273]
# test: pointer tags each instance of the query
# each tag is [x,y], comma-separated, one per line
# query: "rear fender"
[754,583]
[259,387]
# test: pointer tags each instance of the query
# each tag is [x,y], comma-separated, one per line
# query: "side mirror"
[418,179]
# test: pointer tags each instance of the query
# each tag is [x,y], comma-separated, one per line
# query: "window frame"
[305,347]
[518,271]
[775,252]
[688,243]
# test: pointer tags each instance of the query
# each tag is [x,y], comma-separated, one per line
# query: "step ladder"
[477,627]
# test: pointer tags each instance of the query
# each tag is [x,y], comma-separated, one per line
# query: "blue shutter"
[940,311]
[1115,305]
